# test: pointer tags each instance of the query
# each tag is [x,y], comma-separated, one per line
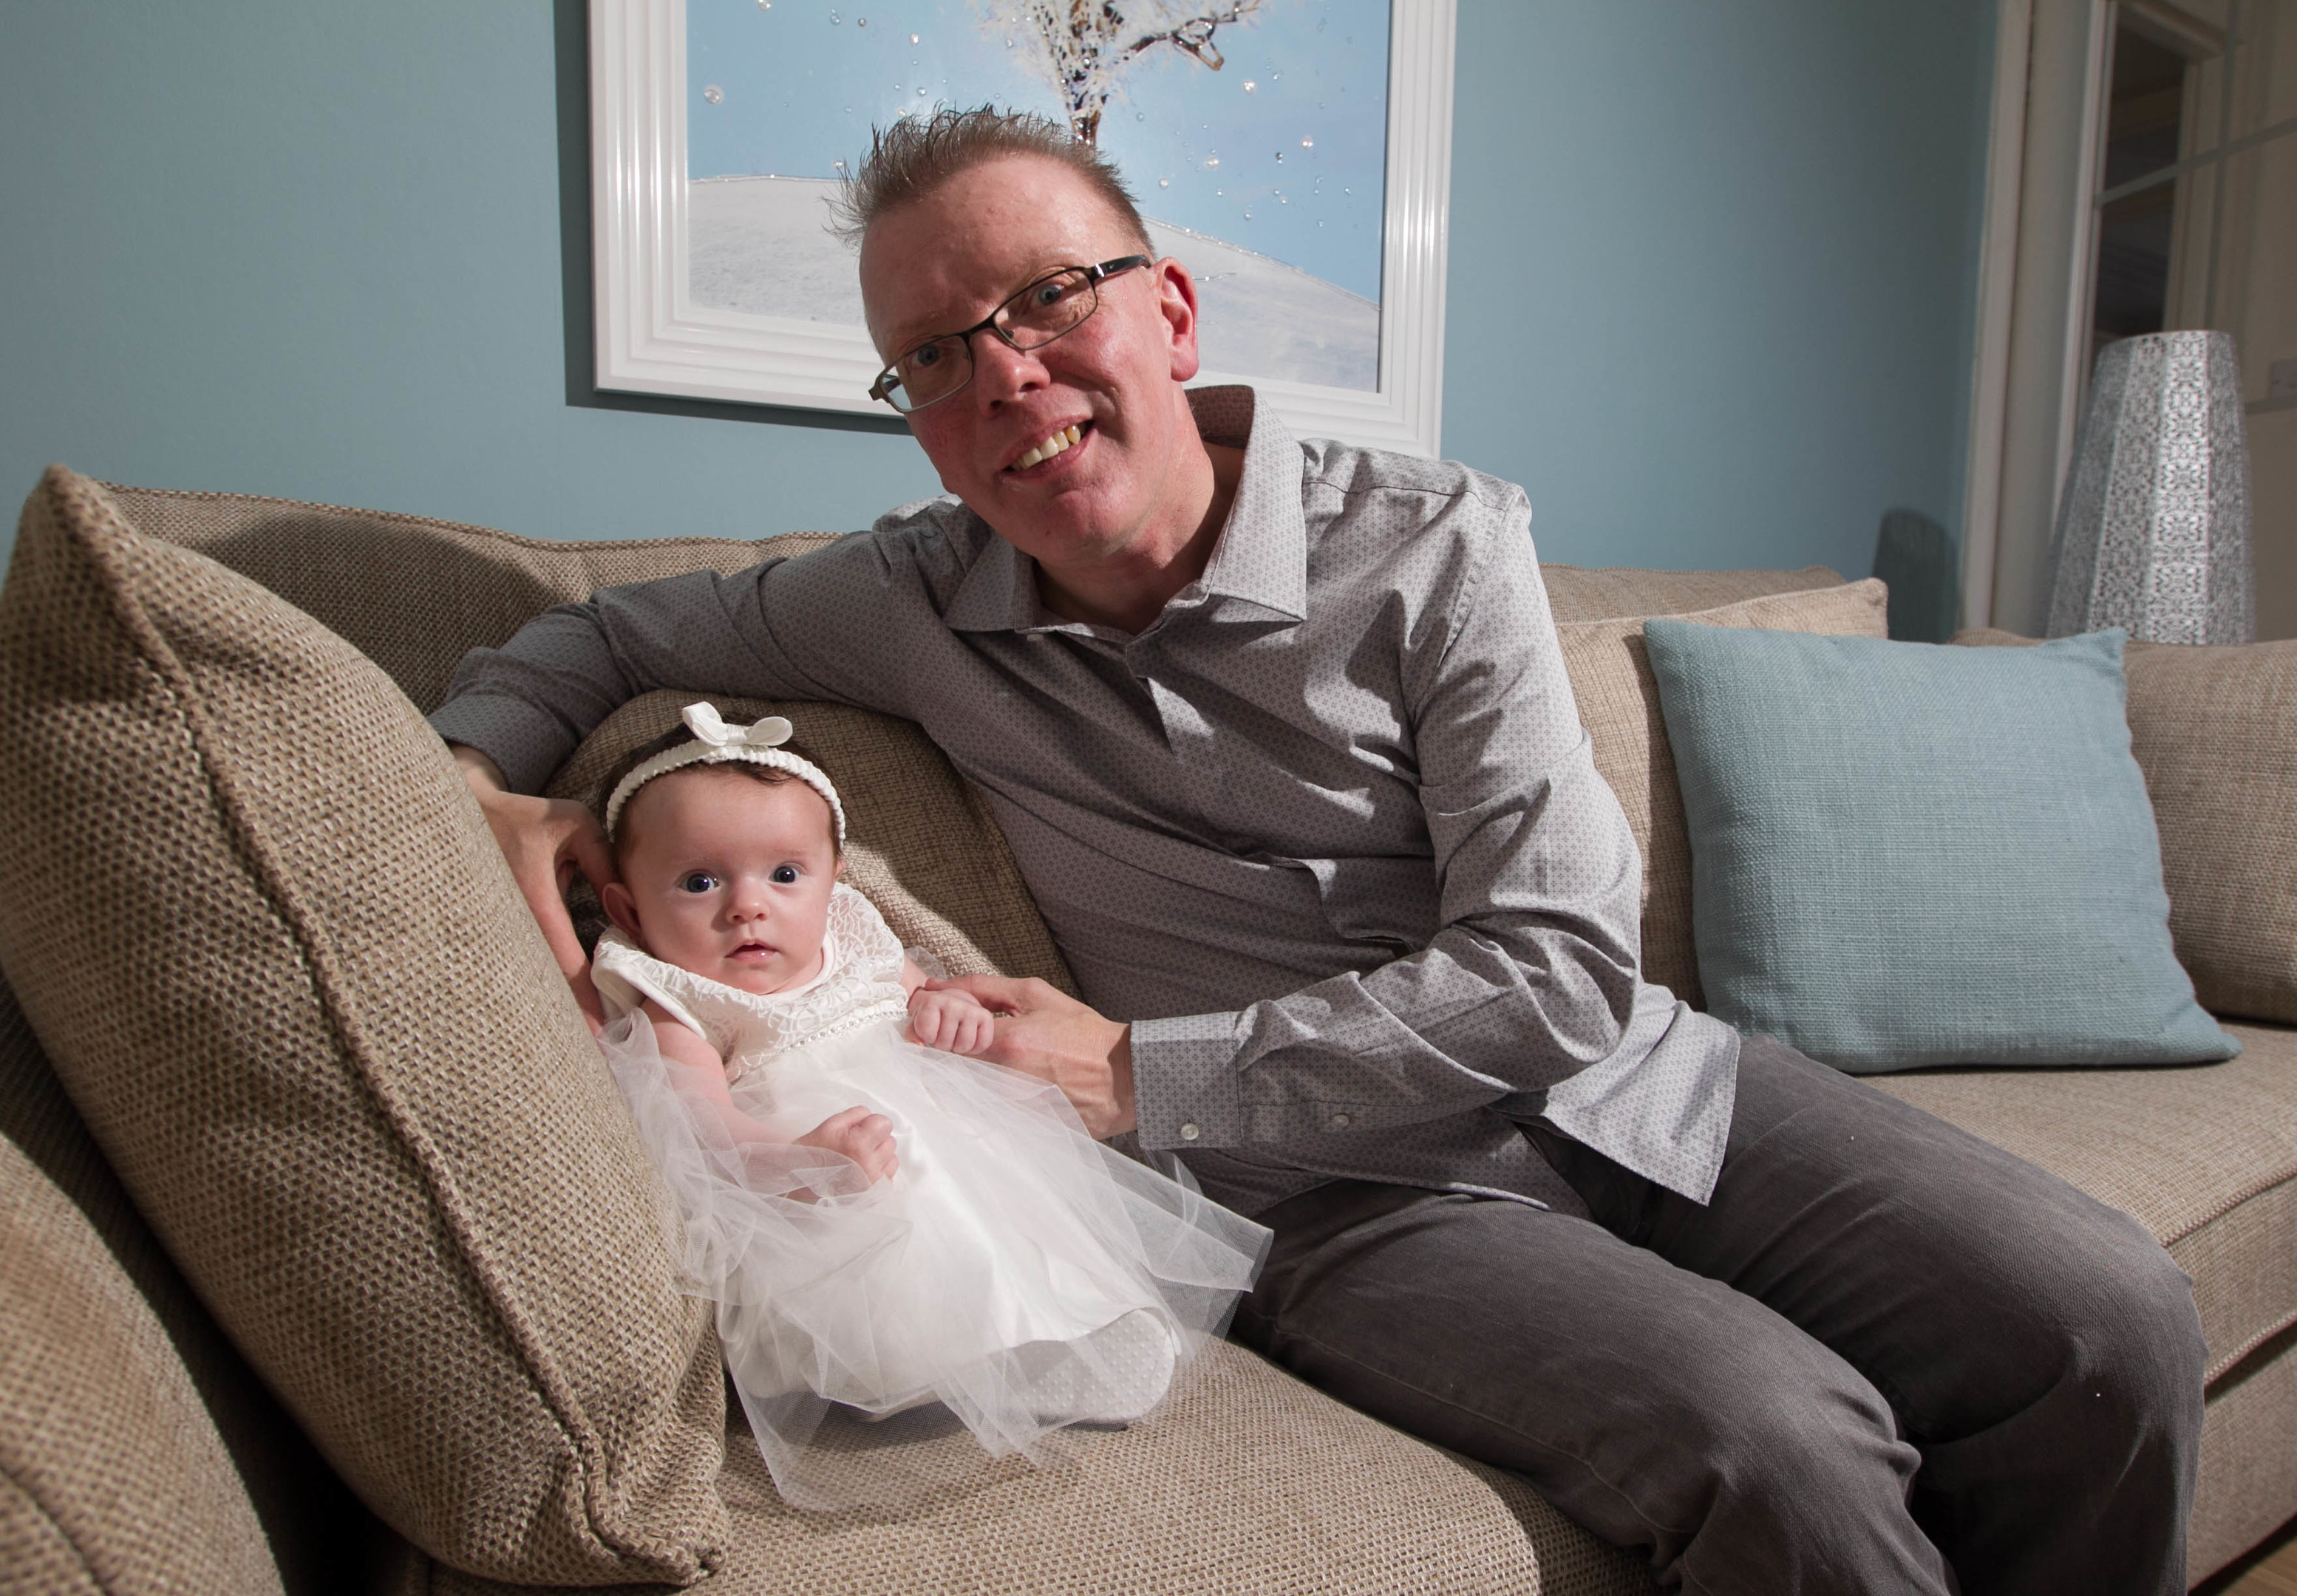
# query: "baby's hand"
[861,1135]
[953,1021]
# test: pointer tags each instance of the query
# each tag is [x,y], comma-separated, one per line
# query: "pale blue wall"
[1712,268]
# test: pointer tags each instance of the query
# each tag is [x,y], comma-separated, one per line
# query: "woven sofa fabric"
[2248,1480]
[353,571]
[310,1518]
[328,1054]
[920,842]
[116,1474]
[2215,730]
[1614,592]
[1248,1484]
[1905,854]
[1618,704]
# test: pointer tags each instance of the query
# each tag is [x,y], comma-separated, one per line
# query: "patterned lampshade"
[2152,534]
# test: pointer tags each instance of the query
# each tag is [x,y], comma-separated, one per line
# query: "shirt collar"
[1262,557]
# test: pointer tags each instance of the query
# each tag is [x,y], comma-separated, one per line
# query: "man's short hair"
[917,154]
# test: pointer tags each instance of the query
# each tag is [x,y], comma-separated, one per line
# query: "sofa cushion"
[352,570]
[1618,704]
[920,842]
[2204,1156]
[1904,854]
[2215,730]
[1612,592]
[1248,1482]
[112,1477]
[261,930]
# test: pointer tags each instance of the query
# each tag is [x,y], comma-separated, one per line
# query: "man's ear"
[621,907]
[1176,299]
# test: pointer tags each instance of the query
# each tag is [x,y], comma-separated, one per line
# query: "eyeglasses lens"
[1033,317]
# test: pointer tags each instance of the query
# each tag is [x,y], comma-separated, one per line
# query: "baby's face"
[729,878]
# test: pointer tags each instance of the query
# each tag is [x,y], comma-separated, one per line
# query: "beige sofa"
[302,1289]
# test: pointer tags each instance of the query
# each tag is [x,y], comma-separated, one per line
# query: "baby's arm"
[855,1133]
[956,1022]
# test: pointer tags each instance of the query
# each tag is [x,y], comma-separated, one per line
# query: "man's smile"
[1056,442]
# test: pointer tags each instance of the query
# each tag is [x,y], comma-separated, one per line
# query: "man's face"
[944,262]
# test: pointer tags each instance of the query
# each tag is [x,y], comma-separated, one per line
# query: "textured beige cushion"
[1250,1484]
[920,842]
[2248,1484]
[414,594]
[271,949]
[2215,730]
[1576,593]
[112,1474]
[1618,704]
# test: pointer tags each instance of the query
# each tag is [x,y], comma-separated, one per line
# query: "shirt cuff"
[1185,1090]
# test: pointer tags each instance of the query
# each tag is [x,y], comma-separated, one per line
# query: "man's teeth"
[1051,447]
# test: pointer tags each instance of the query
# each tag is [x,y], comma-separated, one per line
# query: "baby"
[882,1221]
[729,868]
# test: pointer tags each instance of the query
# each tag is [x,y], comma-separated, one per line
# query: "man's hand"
[544,840]
[953,1021]
[861,1135]
[1043,1031]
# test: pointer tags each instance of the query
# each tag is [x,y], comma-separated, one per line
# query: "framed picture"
[1294,154]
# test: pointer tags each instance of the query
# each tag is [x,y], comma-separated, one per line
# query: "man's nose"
[1001,372]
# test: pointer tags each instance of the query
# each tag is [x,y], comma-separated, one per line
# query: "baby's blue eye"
[696,881]
[785,874]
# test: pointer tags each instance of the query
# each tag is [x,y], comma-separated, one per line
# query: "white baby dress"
[1013,1269]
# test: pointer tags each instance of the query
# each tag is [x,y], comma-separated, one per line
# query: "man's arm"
[759,633]
[1529,979]
[1531,974]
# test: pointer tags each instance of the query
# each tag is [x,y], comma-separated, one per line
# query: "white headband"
[715,742]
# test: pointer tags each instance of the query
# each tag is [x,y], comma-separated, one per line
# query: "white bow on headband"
[708,726]
[716,742]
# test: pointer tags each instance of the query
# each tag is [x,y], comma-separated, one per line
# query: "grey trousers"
[1884,1348]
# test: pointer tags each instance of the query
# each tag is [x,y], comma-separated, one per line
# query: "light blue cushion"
[1905,854]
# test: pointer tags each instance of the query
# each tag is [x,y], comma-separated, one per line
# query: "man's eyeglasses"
[1056,303]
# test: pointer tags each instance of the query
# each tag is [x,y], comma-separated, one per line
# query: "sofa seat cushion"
[1248,1482]
[2202,1156]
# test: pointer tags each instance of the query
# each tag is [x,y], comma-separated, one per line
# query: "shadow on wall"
[1917,558]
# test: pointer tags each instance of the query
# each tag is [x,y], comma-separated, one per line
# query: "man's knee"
[2140,1336]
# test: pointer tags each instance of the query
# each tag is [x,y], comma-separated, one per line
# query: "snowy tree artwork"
[1081,46]
[1293,154]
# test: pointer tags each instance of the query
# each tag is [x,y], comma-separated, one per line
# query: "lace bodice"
[859,985]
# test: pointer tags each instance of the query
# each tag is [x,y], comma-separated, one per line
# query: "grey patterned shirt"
[1328,832]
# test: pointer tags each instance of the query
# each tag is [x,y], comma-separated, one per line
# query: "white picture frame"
[651,338]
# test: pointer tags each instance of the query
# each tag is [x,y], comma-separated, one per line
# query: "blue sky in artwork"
[1282,150]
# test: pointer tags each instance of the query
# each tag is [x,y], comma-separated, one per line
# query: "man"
[1281,735]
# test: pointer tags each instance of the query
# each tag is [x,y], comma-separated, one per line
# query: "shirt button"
[1188,1133]
[1340,1121]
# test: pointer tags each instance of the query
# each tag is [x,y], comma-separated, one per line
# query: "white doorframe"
[2048,131]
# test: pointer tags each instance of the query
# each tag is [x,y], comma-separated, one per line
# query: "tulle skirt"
[1014,1270]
